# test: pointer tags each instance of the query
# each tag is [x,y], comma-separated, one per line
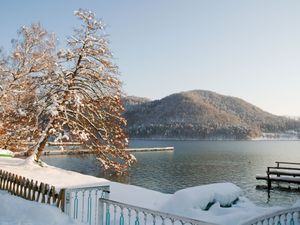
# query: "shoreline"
[198,139]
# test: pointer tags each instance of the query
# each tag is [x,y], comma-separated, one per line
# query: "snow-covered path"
[189,202]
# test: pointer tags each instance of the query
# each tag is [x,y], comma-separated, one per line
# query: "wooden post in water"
[268,182]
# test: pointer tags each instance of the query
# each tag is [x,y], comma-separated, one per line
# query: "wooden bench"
[284,172]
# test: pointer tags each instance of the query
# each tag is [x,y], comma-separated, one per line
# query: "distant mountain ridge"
[200,114]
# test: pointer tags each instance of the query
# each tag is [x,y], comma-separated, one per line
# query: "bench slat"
[283,168]
[280,179]
[286,173]
[291,163]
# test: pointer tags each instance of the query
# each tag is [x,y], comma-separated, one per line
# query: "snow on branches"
[74,92]
[31,58]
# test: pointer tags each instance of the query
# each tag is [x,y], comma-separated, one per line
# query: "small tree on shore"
[77,95]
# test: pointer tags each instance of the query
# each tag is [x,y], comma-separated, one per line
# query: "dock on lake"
[155,149]
[283,172]
[87,151]
[77,148]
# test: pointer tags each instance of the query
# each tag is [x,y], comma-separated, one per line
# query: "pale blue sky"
[247,49]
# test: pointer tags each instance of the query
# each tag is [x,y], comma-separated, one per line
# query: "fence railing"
[82,203]
[116,213]
[282,217]
[30,190]
[91,205]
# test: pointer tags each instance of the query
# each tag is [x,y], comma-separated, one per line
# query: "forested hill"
[201,115]
[132,101]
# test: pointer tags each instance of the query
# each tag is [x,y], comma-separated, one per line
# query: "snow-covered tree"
[31,58]
[76,95]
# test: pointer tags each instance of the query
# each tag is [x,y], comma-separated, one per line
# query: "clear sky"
[247,49]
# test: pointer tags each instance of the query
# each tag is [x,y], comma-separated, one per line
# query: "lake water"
[200,162]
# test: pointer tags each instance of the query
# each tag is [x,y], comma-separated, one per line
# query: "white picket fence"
[117,213]
[288,216]
[91,205]
[82,203]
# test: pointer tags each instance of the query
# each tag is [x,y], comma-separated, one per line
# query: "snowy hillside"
[202,115]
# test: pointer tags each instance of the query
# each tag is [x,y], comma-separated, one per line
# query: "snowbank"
[203,197]
[6,153]
[60,178]
[220,203]
[215,203]
[290,135]
[14,210]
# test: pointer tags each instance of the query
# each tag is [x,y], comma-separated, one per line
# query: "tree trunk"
[39,148]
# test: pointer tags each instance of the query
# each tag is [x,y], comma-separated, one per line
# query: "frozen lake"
[199,162]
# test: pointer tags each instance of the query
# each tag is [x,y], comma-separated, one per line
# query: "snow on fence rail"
[30,190]
[282,217]
[91,205]
[82,203]
[120,213]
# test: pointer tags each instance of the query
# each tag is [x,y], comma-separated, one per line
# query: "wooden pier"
[77,148]
[283,172]
[87,151]
[155,149]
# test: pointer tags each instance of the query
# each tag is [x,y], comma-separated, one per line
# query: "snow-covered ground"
[216,203]
[6,153]
[17,211]
[286,136]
